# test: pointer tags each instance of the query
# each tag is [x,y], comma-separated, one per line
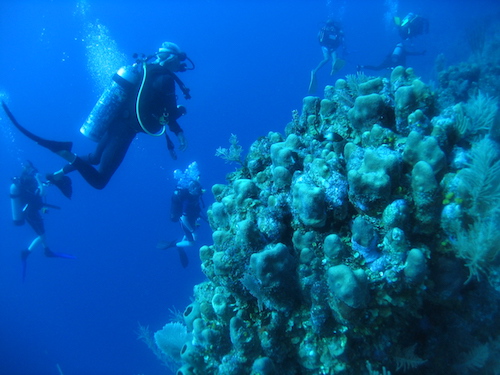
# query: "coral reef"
[361,241]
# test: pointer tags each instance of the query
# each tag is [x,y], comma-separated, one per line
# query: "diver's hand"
[182,141]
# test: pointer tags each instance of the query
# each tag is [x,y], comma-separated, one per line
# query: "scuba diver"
[186,202]
[330,38]
[141,98]
[408,28]
[396,58]
[27,201]
[411,26]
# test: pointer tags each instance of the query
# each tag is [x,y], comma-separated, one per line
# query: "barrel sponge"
[410,98]
[263,366]
[242,335]
[425,197]
[282,177]
[415,267]
[248,233]
[319,169]
[221,238]
[222,265]
[310,105]
[309,203]
[327,107]
[333,247]
[217,216]
[367,110]
[371,184]
[284,154]
[191,313]
[398,76]
[302,239]
[373,86]
[348,286]
[423,182]
[186,370]
[222,305]
[426,148]
[396,214]
[274,266]
[244,189]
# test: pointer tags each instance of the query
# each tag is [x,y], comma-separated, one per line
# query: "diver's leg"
[37,241]
[35,220]
[114,154]
[110,152]
[93,158]
[59,178]
[337,63]
[312,82]
[189,234]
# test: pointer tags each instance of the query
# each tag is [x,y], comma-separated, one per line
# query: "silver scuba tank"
[110,102]
[16,205]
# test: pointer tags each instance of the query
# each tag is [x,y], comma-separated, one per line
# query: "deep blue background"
[253,63]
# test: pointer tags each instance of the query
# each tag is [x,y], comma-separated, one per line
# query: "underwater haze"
[253,62]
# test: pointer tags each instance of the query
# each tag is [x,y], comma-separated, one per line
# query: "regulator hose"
[137,111]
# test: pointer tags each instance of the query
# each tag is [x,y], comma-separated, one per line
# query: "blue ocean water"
[253,60]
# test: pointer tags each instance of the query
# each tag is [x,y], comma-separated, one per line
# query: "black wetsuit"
[158,98]
[186,202]
[396,58]
[413,26]
[330,36]
[31,202]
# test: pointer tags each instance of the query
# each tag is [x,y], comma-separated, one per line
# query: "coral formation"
[362,240]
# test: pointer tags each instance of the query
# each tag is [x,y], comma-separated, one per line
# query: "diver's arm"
[176,112]
[41,190]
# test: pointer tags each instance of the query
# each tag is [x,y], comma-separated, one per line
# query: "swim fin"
[339,64]
[313,83]
[51,254]
[63,183]
[164,245]
[183,257]
[54,146]
[24,260]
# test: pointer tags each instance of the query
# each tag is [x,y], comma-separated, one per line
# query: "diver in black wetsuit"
[396,58]
[27,200]
[330,37]
[157,104]
[185,208]
[408,28]
[150,108]
[411,26]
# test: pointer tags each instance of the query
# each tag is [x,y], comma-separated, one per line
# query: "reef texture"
[364,240]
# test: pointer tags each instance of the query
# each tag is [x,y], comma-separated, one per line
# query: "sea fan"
[481,109]
[482,178]
[474,360]
[408,360]
[478,246]
[171,338]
